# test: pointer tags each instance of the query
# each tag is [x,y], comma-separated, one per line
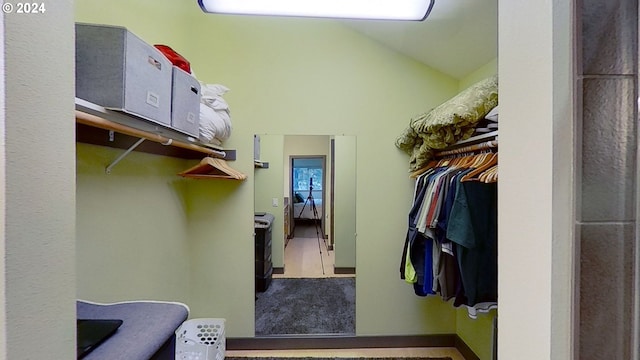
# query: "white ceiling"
[458,37]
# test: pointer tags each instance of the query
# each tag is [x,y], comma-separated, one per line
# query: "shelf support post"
[123,155]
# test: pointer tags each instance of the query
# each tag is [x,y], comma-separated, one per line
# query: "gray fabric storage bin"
[117,70]
[185,103]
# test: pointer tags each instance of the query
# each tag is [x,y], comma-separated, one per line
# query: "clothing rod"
[481,146]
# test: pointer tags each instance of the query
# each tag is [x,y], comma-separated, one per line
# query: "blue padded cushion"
[146,327]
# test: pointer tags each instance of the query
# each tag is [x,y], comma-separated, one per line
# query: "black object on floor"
[91,333]
[307,306]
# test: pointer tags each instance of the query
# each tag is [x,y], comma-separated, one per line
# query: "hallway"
[306,255]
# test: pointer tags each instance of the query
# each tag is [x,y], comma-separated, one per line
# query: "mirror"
[305,198]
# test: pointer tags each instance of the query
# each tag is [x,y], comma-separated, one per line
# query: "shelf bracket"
[123,155]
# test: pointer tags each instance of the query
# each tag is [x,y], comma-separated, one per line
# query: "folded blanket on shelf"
[448,123]
[215,115]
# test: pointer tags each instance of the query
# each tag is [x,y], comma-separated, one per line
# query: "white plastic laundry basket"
[201,339]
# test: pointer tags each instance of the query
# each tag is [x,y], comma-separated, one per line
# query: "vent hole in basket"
[199,333]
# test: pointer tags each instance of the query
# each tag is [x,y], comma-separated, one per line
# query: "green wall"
[477,333]
[268,185]
[483,72]
[287,76]
[131,227]
[345,201]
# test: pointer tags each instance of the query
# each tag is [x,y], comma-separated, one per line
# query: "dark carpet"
[307,306]
[337,358]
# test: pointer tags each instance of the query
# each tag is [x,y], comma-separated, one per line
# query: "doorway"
[319,168]
[307,253]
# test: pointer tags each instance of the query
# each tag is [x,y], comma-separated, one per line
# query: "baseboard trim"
[278,270]
[298,342]
[301,342]
[465,350]
[344,270]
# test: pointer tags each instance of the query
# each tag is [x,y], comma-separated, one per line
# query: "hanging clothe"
[450,248]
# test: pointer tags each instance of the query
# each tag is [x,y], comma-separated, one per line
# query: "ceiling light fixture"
[416,10]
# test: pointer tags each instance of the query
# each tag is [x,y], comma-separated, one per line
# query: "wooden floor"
[307,255]
[302,258]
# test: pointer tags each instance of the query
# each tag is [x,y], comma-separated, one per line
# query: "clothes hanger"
[465,160]
[484,177]
[212,168]
[486,164]
[493,176]
[471,160]
[422,170]
[476,159]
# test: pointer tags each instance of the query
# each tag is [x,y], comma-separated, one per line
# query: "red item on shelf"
[175,58]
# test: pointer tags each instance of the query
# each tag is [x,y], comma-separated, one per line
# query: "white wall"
[535,193]
[3,317]
[38,184]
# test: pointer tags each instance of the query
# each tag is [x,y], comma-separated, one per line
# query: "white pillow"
[215,116]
